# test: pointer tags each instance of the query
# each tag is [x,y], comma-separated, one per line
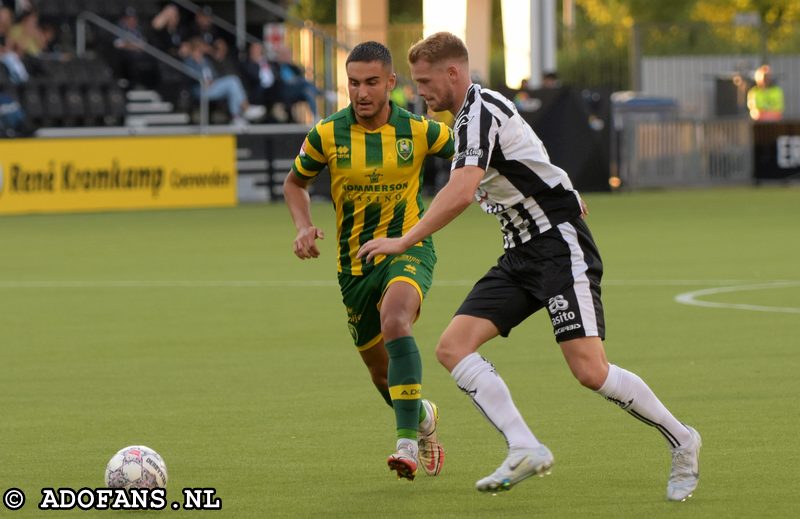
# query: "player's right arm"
[295,192]
[307,165]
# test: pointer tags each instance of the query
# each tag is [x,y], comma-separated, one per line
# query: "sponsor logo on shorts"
[353,331]
[411,269]
[558,304]
[352,320]
[568,328]
[562,318]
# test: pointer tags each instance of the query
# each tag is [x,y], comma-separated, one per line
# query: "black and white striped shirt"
[527,193]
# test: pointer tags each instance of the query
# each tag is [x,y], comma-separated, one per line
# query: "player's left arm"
[448,203]
[440,140]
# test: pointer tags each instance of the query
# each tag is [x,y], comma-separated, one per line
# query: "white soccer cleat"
[404,461]
[431,452]
[519,465]
[685,472]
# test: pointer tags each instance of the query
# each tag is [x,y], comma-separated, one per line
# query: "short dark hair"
[370,51]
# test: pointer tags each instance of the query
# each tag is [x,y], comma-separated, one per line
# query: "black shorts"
[559,269]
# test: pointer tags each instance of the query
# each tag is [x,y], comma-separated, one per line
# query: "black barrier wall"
[776,151]
[575,129]
[264,160]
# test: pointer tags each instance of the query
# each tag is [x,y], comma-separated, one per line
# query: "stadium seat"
[54,71]
[95,106]
[78,71]
[5,78]
[99,71]
[33,104]
[74,107]
[53,106]
[115,105]
[52,9]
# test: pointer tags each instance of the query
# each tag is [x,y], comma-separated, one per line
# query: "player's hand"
[305,244]
[380,246]
[584,209]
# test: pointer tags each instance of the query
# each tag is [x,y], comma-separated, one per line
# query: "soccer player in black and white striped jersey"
[550,261]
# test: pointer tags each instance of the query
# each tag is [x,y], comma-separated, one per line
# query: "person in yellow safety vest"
[765,99]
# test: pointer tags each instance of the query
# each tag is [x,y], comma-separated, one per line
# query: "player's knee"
[394,326]
[589,377]
[448,353]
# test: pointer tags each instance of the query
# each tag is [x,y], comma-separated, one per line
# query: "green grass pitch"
[199,334]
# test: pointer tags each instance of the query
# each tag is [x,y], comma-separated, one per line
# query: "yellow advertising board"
[103,174]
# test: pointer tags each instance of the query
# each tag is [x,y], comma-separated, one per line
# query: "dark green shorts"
[362,295]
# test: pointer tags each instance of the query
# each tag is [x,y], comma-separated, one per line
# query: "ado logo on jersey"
[405,148]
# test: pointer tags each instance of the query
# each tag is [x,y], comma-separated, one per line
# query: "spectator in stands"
[550,80]
[227,87]
[223,62]
[10,52]
[11,57]
[260,76]
[523,95]
[27,35]
[765,99]
[52,46]
[203,27]
[294,87]
[6,21]
[132,64]
[167,35]
[13,122]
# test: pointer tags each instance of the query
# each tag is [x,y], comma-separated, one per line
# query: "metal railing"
[685,153]
[80,49]
[329,44]
[238,30]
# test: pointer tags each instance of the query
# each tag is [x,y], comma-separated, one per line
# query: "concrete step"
[150,107]
[143,96]
[156,119]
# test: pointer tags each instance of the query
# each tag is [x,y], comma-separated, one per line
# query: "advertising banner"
[106,174]
[777,150]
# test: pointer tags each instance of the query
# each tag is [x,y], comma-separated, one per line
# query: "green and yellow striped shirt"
[376,176]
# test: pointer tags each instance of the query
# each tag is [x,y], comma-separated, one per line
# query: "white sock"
[630,392]
[477,377]
[408,445]
[427,423]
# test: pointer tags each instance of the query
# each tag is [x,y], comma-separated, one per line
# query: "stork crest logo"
[405,147]
[557,304]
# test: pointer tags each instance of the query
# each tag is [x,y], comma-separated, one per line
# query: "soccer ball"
[136,466]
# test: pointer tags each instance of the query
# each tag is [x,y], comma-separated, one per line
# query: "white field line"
[252,283]
[692,298]
[686,298]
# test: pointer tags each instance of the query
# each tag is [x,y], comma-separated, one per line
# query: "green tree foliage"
[318,11]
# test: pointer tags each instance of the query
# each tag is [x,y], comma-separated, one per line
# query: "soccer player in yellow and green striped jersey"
[375,152]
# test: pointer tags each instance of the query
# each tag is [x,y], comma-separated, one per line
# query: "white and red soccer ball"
[136,466]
